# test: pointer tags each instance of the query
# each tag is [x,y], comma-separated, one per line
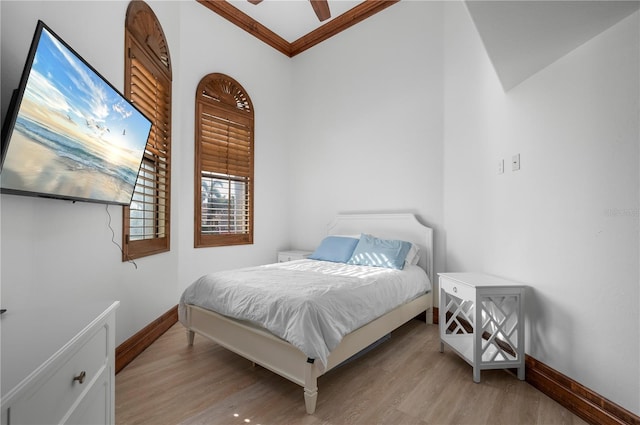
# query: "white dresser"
[58,364]
[482,319]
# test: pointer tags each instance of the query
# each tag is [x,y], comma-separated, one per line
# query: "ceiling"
[521,36]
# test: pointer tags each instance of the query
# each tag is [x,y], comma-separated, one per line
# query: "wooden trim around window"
[148,80]
[224,152]
[359,13]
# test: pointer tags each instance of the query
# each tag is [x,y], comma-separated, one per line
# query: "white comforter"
[311,304]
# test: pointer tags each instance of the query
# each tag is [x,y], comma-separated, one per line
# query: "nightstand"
[291,255]
[482,319]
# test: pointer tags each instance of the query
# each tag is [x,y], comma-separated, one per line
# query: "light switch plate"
[515,162]
[500,166]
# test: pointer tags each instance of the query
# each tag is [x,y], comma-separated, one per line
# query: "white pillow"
[413,256]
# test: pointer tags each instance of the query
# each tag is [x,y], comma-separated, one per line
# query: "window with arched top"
[148,86]
[223,163]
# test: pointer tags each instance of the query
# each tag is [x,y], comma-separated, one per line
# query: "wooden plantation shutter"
[148,86]
[223,163]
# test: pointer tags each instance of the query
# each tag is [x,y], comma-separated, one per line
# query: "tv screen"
[69,133]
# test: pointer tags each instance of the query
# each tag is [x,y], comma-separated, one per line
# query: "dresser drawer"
[55,398]
[457,289]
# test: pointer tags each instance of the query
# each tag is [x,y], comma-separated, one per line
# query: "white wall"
[368,129]
[566,224]
[374,113]
[55,250]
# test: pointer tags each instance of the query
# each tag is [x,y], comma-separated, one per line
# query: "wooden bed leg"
[310,399]
[190,335]
[310,388]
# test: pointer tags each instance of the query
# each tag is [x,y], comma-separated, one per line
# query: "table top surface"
[480,280]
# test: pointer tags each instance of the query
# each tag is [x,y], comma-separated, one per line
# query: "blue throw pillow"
[335,248]
[372,251]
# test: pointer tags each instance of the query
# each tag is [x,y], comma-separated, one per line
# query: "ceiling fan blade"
[321,7]
[254,1]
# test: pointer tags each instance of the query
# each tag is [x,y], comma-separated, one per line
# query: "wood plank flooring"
[405,380]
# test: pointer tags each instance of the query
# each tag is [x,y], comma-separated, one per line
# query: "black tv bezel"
[14,107]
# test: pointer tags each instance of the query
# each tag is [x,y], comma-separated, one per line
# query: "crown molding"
[358,14]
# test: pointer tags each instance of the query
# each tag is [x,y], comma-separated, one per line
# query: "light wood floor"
[406,380]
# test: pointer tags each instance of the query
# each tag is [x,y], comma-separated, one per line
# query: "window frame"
[146,44]
[225,100]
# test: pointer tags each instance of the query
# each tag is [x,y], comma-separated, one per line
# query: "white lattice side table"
[482,319]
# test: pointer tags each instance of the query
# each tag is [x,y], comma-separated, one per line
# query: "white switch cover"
[501,166]
[515,162]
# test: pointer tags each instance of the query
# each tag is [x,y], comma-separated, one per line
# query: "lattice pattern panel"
[500,339]
[459,315]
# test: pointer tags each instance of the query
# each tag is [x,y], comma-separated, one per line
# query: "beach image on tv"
[74,136]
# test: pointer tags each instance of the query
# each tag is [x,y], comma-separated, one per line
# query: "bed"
[263,347]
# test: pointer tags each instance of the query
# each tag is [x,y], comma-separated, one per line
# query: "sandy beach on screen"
[30,166]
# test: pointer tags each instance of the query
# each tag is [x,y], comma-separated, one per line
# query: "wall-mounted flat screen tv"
[69,133]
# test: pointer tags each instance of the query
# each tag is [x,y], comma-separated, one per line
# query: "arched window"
[148,85]
[223,163]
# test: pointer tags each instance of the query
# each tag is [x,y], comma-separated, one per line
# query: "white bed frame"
[277,355]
